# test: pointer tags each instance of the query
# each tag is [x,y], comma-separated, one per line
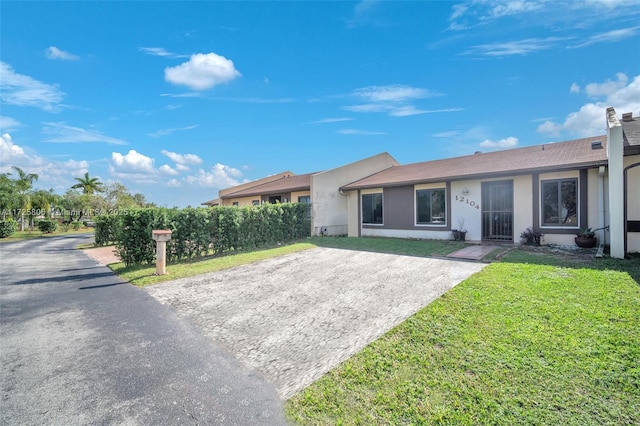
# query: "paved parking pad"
[295,317]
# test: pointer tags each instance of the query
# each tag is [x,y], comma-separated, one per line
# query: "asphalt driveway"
[80,346]
[295,317]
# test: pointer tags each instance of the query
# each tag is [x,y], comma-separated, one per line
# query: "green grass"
[142,275]
[35,233]
[402,246]
[517,343]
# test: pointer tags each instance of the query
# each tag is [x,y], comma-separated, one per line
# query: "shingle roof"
[285,184]
[214,202]
[555,156]
[631,135]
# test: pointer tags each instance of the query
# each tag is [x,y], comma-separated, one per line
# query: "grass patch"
[35,233]
[517,343]
[401,246]
[142,275]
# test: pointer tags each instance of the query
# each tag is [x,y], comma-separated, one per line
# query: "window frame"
[558,182]
[366,194]
[416,215]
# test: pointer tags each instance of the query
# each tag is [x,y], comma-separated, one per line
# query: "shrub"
[530,237]
[107,228]
[76,225]
[47,226]
[7,228]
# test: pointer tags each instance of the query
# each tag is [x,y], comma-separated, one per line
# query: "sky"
[177,100]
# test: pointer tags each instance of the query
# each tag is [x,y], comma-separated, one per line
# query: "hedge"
[47,226]
[198,232]
[7,228]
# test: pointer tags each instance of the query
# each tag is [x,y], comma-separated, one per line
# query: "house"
[555,188]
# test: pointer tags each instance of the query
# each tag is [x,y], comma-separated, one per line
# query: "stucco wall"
[296,194]
[242,201]
[329,207]
[633,201]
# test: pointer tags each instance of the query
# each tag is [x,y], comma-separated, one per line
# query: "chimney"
[627,116]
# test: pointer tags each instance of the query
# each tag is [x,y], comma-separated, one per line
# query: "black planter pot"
[586,242]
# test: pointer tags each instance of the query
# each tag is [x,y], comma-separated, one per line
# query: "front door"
[497,210]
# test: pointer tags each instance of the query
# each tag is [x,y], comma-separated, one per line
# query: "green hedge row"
[7,228]
[197,232]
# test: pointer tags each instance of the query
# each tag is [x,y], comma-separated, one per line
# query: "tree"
[23,184]
[88,185]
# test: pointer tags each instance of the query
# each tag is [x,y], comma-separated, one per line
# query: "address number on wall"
[465,200]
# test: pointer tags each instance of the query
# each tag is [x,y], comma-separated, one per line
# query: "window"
[305,199]
[372,208]
[431,207]
[560,202]
[236,204]
[255,202]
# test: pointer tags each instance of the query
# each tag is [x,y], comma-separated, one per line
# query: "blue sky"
[179,99]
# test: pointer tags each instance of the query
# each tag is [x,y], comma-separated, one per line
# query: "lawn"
[142,275]
[533,339]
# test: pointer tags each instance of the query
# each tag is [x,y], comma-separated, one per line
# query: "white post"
[161,237]
[615,154]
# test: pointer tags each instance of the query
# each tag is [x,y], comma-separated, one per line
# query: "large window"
[372,208]
[431,207]
[304,199]
[560,202]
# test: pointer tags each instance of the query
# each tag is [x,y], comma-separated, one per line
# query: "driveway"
[295,317]
[79,346]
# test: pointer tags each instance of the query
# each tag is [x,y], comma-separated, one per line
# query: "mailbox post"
[161,236]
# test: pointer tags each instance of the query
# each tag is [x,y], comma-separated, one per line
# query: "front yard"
[534,339]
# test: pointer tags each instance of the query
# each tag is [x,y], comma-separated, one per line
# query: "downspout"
[601,210]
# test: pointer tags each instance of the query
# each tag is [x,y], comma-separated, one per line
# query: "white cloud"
[167,170]
[165,132]
[509,142]
[364,13]
[519,47]
[50,173]
[608,37]
[171,107]
[9,150]
[202,71]
[330,120]
[359,132]
[132,162]
[184,159]
[22,90]
[447,134]
[53,52]
[76,168]
[589,120]
[393,99]
[474,13]
[595,90]
[60,132]
[160,51]
[575,88]
[220,176]
[182,167]
[8,123]
[173,183]
[392,93]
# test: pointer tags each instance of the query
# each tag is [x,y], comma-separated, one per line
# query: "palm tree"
[88,184]
[23,185]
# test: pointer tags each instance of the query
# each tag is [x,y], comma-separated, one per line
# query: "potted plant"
[459,234]
[530,237]
[586,237]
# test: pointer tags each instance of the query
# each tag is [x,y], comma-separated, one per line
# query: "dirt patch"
[103,255]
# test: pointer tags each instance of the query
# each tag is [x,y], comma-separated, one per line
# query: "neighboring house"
[227,197]
[555,188]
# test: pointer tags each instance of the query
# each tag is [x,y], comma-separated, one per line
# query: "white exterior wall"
[330,209]
[406,233]
[633,201]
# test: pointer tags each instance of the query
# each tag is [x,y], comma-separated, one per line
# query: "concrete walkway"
[473,252]
[295,317]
